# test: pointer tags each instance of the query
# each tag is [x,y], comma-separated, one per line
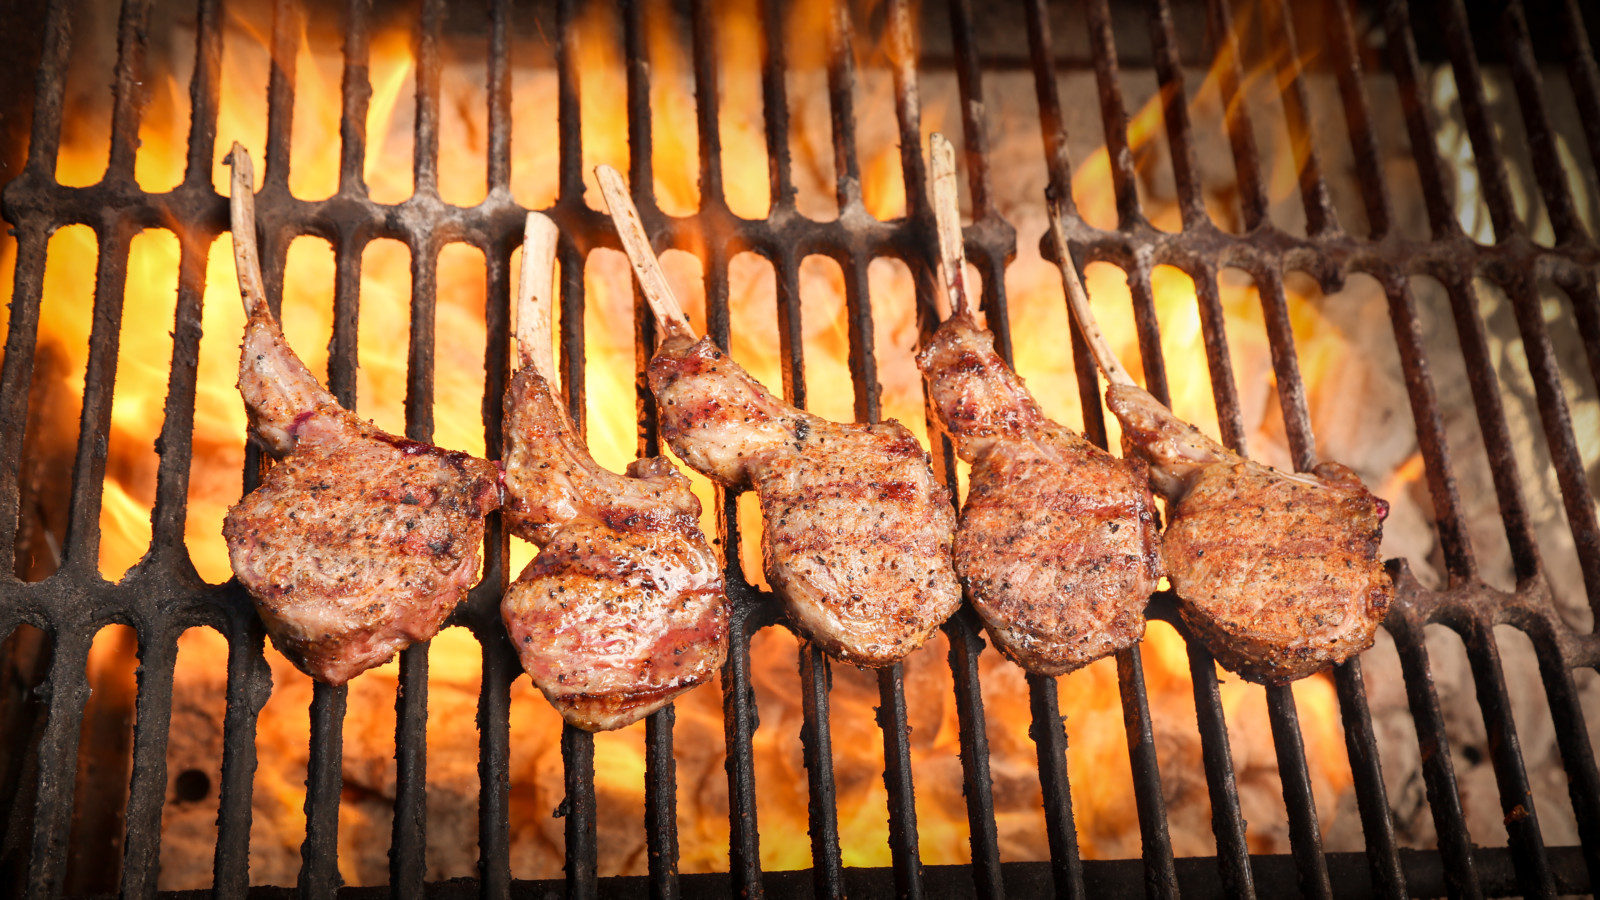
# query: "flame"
[1090,701]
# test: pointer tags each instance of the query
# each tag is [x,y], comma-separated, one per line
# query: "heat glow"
[1098,757]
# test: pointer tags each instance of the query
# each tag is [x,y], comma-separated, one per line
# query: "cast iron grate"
[163,596]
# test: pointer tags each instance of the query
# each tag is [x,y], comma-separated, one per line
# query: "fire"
[1098,755]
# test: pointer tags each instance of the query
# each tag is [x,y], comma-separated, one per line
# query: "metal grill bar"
[500,668]
[1377,826]
[482,609]
[965,645]
[1474,343]
[162,595]
[319,855]
[1516,795]
[577,757]
[1576,756]
[58,750]
[1582,74]
[1227,821]
[1320,215]
[1050,736]
[1160,874]
[1547,169]
[1518,282]
[409,842]
[816,739]
[1253,207]
[1048,731]
[962,631]
[1377,823]
[249,686]
[1438,772]
[661,808]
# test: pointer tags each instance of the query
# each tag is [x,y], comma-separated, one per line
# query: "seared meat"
[1277,573]
[623,609]
[1058,545]
[857,533]
[855,530]
[358,543]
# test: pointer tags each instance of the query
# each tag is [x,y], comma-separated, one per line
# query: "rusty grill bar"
[162,596]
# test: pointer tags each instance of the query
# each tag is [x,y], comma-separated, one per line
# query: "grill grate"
[163,596]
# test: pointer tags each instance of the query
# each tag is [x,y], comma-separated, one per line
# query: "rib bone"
[1057,545]
[535,306]
[857,532]
[358,543]
[623,609]
[1277,572]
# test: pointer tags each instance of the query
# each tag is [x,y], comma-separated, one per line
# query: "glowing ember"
[1098,758]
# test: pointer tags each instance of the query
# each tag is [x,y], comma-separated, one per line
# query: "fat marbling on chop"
[1277,572]
[623,609]
[856,532]
[1058,544]
[357,543]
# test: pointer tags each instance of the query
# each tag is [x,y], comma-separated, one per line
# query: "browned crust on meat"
[1058,544]
[1279,578]
[857,531]
[1059,556]
[623,609]
[622,708]
[857,537]
[359,543]
[612,625]
[714,415]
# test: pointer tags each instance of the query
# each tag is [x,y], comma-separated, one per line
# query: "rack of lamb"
[357,543]
[623,609]
[1276,572]
[856,532]
[1058,544]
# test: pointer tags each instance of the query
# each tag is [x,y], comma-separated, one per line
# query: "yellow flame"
[1097,751]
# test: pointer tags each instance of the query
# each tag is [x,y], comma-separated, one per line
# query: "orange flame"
[1097,756]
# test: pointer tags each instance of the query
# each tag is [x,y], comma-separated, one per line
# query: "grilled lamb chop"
[623,609]
[857,532]
[358,543]
[1058,545]
[1277,573]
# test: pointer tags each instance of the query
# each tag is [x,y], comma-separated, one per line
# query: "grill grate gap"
[877,56]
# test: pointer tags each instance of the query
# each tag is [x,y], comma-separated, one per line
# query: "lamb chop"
[1276,572]
[623,609]
[357,543]
[1058,545]
[857,532]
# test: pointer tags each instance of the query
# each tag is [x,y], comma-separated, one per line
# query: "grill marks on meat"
[623,609]
[1278,574]
[1058,545]
[358,543]
[857,533]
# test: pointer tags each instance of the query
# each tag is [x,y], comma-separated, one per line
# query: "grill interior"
[162,596]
